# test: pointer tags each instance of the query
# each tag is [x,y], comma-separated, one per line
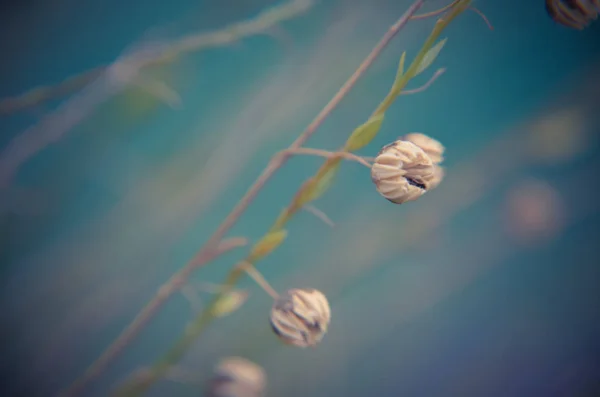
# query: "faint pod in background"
[402,172]
[575,14]
[238,377]
[559,135]
[300,317]
[534,212]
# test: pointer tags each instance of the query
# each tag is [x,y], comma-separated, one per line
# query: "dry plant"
[402,171]
[95,87]
[166,52]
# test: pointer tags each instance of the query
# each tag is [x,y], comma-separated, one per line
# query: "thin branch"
[319,214]
[449,6]
[38,95]
[179,348]
[327,154]
[258,278]
[175,283]
[482,15]
[222,247]
[230,34]
[210,250]
[436,12]
[425,86]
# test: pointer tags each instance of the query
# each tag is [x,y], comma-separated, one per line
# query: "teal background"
[431,298]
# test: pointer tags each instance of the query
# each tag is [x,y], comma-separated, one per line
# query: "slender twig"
[263,22]
[179,348]
[449,6]
[209,250]
[319,214]
[482,15]
[175,283]
[436,12]
[425,86]
[258,278]
[327,154]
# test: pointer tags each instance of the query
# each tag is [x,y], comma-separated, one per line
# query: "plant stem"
[262,22]
[208,251]
[425,86]
[175,283]
[259,279]
[196,328]
[459,7]
[328,154]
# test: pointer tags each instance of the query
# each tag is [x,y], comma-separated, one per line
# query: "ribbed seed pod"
[402,172]
[433,148]
[438,175]
[300,317]
[237,377]
[576,14]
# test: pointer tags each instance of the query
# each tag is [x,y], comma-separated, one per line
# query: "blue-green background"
[93,224]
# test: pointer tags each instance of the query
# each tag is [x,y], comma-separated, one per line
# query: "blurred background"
[486,286]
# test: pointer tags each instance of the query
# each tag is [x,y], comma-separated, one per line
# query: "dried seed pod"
[237,377]
[438,175]
[575,14]
[300,317]
[433,148]
[402,172]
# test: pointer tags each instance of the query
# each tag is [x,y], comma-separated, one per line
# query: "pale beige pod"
[237,377]
[433,148]
[438,175]
[403,172]
[300,317]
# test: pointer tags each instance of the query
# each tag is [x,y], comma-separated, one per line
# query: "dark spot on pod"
[275,329]
[415,183]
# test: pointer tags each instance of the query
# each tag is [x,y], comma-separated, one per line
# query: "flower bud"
[300,317]
[238,377]
[402,172]
[433,148]
[438,175]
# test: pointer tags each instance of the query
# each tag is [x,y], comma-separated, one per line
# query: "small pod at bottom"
[237,377]
[300,317]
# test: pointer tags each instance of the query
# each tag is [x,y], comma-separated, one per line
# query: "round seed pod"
[433,148]
[402,172]
[300,317]
[237,377]
[438,175]
[575,14]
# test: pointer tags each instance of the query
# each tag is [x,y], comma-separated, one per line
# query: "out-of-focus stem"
[195,42]
[175,283]
[196,328]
